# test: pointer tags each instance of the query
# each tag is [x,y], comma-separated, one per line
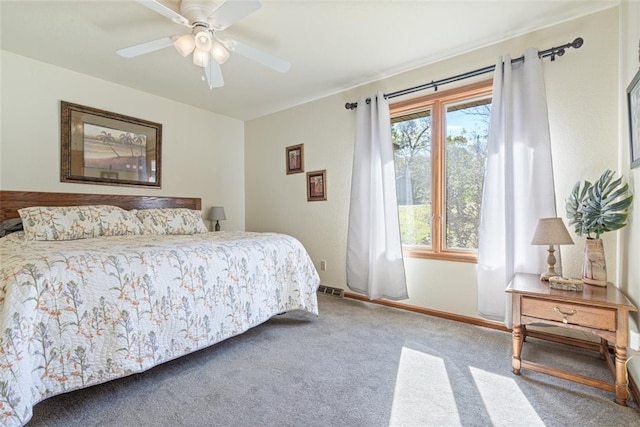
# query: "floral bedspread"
[77,313]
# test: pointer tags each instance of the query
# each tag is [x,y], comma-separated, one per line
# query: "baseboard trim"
[633,387]
[430,312]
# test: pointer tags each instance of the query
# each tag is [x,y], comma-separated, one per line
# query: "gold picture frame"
[317,186]
[295,159]
[105,148]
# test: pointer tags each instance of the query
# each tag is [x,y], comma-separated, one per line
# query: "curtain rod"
[551,52]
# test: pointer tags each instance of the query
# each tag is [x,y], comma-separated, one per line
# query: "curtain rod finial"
[577,43]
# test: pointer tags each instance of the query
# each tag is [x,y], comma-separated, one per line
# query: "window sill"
[469,257]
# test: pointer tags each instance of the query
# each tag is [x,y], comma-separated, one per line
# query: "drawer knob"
[565,314]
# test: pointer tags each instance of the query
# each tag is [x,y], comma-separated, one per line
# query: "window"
[440,149]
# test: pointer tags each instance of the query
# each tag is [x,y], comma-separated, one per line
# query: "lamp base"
[551,264]
[549,273]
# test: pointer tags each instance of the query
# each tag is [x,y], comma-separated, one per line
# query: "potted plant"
[594,209]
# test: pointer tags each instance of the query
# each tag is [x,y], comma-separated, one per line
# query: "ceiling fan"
[207,18]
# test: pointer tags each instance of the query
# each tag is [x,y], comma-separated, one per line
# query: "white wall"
[202,152]
[628,265]
[582,91]
[629,277]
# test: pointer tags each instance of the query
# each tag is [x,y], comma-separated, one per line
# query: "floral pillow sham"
[119,222]
[77,222]
[171,221]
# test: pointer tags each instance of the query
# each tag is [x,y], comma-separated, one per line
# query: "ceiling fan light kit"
[219,53]
[185,44]
[201,57]
[206,18]
[203,38]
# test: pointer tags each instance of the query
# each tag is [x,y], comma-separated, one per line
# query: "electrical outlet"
[323,265]
[634,340]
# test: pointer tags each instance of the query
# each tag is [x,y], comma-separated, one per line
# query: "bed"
[78,312]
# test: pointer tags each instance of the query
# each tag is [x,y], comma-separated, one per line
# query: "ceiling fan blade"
[165,11]
[258,55]
[213,73]
[231,12]
[147,47]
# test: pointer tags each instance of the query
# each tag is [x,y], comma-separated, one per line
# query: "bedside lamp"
[216,214]
[551,231]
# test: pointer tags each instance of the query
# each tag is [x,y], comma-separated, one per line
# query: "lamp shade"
[202,39]
[201,57]
[551,231]
[217,213]
[219,53]
[185,44]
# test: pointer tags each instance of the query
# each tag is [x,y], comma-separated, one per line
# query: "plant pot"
[594,267]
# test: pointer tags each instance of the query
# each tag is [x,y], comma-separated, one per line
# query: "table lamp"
[551,231]
[216,214]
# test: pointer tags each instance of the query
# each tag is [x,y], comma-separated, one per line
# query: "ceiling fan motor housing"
[198,11]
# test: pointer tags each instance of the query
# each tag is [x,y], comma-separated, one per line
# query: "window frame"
[437,102]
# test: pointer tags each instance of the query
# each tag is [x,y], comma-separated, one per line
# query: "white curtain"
[375,265]
[518,185]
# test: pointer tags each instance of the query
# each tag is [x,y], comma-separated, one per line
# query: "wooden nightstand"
[603,311]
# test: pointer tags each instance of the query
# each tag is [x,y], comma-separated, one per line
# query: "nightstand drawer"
[574,314]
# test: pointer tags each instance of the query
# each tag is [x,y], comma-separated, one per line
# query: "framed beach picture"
[101,147]
[295,159]
[633,101]
[316,186]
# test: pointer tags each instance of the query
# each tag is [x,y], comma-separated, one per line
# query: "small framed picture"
[295,159]
[316,186]
[633,101]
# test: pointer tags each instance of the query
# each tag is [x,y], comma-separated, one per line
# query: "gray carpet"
[358,364]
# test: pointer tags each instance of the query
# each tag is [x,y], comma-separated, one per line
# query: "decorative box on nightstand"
[565,283]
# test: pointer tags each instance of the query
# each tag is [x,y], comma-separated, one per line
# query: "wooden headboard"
[11,201]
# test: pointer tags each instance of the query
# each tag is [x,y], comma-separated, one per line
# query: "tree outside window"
[440,150]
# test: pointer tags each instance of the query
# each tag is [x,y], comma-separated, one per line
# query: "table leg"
[604,348]
[516,339]
[622,392]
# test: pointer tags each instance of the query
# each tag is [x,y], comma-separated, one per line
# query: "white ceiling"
[332,45]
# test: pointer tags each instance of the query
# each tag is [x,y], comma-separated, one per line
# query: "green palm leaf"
[599,207]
